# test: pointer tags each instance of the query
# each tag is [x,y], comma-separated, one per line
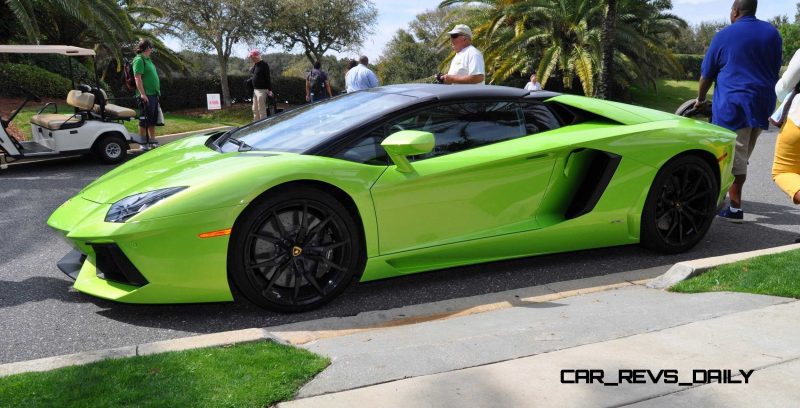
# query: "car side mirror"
[405,143]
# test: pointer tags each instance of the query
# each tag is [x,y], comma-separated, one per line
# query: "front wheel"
[111,149]
[295,250]
[680,206]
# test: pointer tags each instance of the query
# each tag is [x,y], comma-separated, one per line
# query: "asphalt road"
[41,315]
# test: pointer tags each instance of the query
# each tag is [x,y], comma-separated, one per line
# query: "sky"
[394,15]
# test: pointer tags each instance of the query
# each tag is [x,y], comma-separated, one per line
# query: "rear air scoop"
[624,114]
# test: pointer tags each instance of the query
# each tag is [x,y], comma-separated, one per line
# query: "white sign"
[213,101]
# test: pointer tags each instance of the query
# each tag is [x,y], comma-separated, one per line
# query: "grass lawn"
[173,123]
[777,275]
[255,374]
[669,96]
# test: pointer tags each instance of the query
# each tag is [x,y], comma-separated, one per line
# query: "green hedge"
[35,79]
[190,92]
[691,65]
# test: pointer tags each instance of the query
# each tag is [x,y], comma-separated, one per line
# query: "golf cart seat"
[53,121]
[116,111]
[112,111]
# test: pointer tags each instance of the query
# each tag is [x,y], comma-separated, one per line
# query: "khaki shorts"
[745,142]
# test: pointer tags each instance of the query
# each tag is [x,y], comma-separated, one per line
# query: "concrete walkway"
[514,356]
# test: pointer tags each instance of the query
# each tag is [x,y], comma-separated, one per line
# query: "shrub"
[691,64]
[34,79]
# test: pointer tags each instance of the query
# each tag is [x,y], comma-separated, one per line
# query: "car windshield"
[302,128]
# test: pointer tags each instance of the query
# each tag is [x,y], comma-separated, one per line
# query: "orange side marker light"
[217,233]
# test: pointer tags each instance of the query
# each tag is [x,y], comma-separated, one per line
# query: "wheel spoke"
[699,195]
[680,227]
[310,277]
[326,261]
[692,221]
[301,233]
[319,250]
[268,238]
[279,271]
[269,262]
[296,292]
[278,224]
[316,230]
[672,228]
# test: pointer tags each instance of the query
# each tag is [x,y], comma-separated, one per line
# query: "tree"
[407,60]
[604,86]
[321,26]
[217,25]
[415,54]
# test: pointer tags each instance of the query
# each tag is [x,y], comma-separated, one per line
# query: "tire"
[111,149]
[680,206]
[294,250]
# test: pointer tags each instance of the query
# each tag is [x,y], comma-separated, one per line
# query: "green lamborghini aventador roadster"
[391,181]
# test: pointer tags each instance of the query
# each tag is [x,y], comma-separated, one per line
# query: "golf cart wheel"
[680,206]
[295,250]
[111,149]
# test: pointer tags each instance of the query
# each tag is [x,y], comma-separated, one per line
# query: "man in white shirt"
[360,77]
[534,85]
[467,65]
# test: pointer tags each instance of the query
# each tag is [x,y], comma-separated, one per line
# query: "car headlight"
[129,206]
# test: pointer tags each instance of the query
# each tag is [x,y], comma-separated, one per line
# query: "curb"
[685,270]
[186,343]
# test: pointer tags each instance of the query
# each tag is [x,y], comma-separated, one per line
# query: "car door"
[482,179]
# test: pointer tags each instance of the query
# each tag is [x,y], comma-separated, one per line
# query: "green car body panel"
[499,201]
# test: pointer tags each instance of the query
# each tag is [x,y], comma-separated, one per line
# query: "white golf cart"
[93,125]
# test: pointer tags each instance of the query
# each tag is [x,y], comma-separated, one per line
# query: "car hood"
[188,162]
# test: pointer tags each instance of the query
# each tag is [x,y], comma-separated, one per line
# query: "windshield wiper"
[243,147]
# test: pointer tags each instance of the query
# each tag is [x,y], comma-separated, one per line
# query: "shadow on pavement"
[723,238]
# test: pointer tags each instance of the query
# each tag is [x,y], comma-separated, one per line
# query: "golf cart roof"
[46,49]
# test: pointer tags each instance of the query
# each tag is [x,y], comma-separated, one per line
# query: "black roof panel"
[450,92]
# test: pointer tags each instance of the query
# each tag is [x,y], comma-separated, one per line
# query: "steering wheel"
[396,128]
[30,94]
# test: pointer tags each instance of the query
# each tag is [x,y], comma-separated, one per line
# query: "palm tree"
[604,85]
[563,39]
[105,18]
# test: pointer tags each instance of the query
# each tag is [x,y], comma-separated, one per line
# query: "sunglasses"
[454,36]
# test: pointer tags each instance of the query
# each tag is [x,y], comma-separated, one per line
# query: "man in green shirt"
[148,89]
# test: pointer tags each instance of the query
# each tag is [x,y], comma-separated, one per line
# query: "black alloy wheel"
[681,205]
[295,251]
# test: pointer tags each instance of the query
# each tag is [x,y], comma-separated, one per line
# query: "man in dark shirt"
[744,60]
[317,85]
[261,83]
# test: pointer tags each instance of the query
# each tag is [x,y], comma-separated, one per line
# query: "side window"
[455,127]
[367,150]
[539,118]
[464,126]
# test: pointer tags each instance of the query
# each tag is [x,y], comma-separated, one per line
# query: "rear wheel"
[680,206]
[295,250]
[111,149]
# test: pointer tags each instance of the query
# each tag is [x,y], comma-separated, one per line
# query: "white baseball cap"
[462,29]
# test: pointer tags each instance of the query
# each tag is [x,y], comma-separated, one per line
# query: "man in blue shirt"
[360,77]
[744,60]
